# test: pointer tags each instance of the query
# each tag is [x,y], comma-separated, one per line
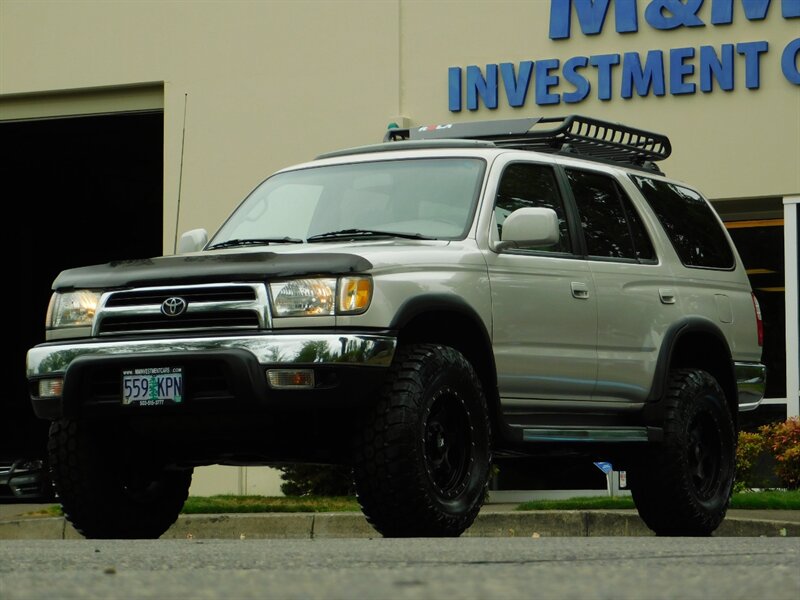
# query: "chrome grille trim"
[209,306]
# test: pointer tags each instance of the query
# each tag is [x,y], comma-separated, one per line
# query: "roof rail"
[572,134]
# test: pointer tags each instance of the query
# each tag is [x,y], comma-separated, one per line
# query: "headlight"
[321,296]
[303,297]
[72,309]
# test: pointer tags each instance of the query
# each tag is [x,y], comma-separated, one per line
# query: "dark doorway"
[78,191]
[760,244]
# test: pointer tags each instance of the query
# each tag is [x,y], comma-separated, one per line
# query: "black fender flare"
[672,337]
[430,303]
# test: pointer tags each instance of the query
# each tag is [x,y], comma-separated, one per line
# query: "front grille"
[204,320]
[155,296]
[212,306]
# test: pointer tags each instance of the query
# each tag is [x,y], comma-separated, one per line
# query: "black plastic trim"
[208,267]
[672,336]
[432,303]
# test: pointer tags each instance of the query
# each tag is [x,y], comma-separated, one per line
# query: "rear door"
[635,292]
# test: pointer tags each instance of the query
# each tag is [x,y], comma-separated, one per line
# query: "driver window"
[531,185]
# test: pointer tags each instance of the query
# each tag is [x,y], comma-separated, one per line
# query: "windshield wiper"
[255,242]
[351,233]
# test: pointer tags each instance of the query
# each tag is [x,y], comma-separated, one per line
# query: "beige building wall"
[266,83]
[236,481]
[262,84]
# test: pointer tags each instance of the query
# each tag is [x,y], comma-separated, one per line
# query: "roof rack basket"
[584,136]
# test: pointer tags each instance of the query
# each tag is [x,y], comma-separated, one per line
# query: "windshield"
[424,198]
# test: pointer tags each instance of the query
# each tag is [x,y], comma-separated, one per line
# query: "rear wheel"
[422,457]
[684,485]
[113,489]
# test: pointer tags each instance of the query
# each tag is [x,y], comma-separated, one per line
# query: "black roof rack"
[573,134]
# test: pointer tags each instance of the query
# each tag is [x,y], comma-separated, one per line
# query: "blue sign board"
[605,467]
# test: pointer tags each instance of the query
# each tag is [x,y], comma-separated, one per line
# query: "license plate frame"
[152,386]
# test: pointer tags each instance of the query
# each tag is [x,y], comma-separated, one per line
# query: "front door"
[544,306]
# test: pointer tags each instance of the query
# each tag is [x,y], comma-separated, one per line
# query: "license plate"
[152,386]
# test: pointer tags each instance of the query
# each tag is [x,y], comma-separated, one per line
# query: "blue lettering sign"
[454,89]
[707,67]
[582,86]
[789,62]
[478,87]
[714,67]
[679,70]
[604,62]
[752,52]
[754,10]
[516,87]
[591,16]
[670,14]
[659,14]
[651,76]
[544,81]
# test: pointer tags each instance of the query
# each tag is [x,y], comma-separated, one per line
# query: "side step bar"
[592,434]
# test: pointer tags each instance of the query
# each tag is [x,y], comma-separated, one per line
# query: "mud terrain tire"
[422,456]
[683,488]
[106,495]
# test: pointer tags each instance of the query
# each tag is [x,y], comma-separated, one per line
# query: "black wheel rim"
[704,455]
[448,444]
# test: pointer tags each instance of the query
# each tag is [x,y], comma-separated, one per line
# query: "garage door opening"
[79,191]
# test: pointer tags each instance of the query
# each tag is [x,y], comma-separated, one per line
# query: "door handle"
[579,290]
[667,295]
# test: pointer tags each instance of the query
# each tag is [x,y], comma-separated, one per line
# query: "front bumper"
[751,381]
[226,370]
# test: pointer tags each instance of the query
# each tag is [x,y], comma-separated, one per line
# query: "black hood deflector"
[208,268]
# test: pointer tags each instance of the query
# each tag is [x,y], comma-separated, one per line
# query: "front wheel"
[110,487]
[422,456]
[684,485]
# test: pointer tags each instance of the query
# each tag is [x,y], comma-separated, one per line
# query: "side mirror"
[529,227]
[192,241]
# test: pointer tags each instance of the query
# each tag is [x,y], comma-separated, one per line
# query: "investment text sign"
[674,71]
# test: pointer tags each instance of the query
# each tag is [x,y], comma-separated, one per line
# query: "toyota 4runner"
[415,308]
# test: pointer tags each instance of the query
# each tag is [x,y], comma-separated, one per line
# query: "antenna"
[180,176]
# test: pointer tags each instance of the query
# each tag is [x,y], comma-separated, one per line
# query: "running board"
[592,434]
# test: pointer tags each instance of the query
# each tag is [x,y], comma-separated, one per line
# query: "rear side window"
[690,223]
[611,226]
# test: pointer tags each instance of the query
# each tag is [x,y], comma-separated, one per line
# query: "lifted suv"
[533,287]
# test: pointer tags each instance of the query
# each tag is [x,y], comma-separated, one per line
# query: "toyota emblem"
[173,307]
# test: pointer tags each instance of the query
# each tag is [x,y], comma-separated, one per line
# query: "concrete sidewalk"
[494,520]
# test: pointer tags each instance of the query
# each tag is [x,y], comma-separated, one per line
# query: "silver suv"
[532,287]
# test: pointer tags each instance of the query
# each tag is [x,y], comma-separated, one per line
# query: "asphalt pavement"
[20,521]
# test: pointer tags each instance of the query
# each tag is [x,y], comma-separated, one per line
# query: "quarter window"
[530,185]
[690,223]
[611,226]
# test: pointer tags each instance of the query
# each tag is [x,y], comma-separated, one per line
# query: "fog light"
[50,388]
[290,378]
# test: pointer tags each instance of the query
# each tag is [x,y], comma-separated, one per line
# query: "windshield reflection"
[425,198]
